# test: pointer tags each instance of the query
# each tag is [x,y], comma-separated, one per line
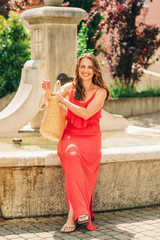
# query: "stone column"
[54,37]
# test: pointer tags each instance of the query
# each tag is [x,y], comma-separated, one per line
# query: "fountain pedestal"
[53,38]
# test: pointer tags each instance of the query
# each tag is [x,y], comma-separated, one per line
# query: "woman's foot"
[83,219]
[70,225]
[68,228]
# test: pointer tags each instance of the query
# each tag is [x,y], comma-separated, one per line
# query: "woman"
[80,147]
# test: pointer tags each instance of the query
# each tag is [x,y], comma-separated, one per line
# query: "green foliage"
[119,90]
[14,52]
[92,26]
[93,29]
[82,41]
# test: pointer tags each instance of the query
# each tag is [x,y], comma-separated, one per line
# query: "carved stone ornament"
[38,44]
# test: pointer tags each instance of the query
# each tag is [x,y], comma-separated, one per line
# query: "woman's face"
[86,69]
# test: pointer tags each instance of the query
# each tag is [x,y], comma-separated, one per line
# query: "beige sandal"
[83,221]
[66,226]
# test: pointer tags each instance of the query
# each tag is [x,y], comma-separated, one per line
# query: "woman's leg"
[70,224]
[70,219]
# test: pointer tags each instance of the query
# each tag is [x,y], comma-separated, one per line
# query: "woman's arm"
[93,107]
[46,85]
[64,91]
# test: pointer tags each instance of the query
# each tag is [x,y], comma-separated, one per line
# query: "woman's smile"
[85,74]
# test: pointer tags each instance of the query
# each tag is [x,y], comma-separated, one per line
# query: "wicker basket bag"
[53,122]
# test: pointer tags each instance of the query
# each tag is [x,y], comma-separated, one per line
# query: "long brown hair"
[97,79]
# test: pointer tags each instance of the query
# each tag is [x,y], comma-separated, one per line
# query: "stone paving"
[137,224]
[151,120]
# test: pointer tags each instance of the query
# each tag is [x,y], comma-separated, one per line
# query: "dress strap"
[71,94]
[96,91]
[92,96]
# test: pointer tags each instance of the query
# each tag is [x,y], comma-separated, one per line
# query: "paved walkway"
[151,120]
[137,224]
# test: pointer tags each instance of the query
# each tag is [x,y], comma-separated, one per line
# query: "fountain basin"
[33,141]
[32,182]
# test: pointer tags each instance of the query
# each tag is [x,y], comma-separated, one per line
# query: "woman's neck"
[88,85]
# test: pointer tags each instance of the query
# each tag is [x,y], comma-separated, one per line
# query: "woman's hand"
[59,97]
[46,85]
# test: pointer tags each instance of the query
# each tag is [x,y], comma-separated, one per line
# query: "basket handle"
[42,101]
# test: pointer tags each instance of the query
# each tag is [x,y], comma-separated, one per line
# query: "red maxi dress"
[80,154]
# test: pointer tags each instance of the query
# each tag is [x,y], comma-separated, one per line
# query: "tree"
[92,26]
[14,52]
[131,42]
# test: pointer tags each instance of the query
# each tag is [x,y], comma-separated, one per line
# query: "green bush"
[92,27]
[14,52]
[82,38]
[119,90]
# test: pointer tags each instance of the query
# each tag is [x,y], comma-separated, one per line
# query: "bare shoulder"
[66,89]
[101,92]
[68,86]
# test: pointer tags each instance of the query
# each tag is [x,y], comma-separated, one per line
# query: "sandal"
[86,220]
[66,226]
